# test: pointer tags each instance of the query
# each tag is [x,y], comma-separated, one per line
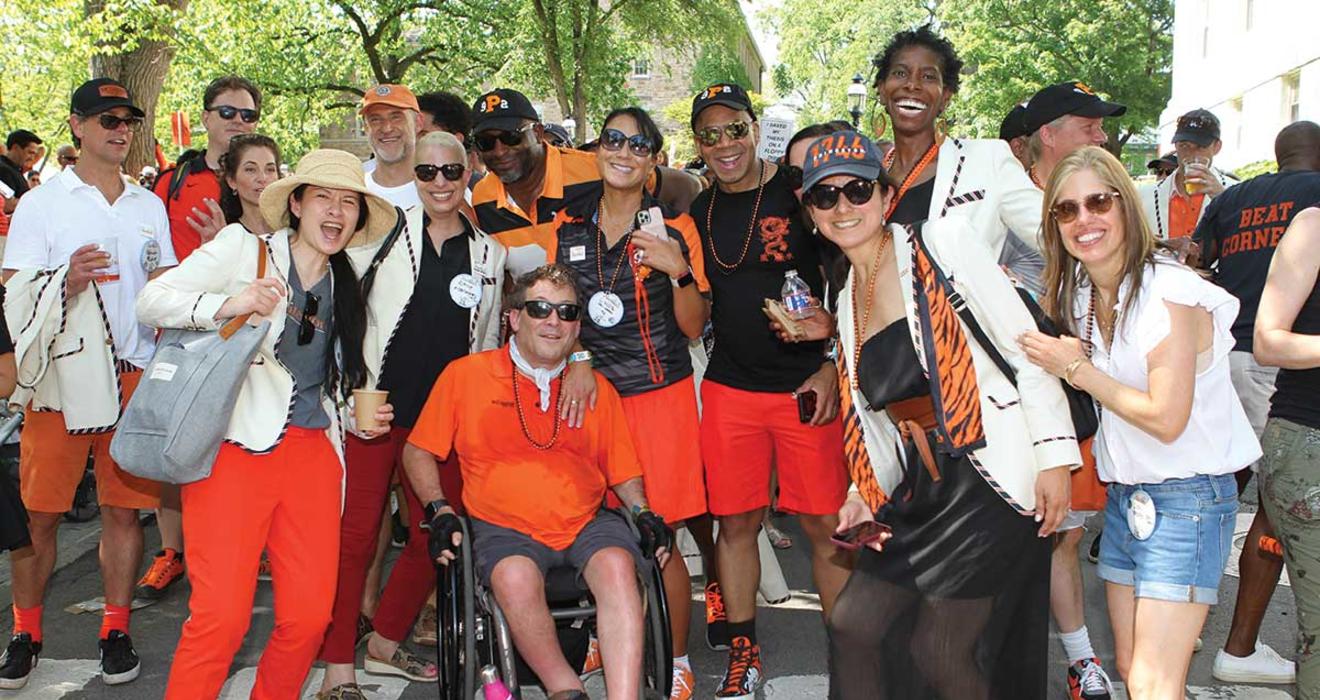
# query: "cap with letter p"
[841,153]
[727,94]
[502,110]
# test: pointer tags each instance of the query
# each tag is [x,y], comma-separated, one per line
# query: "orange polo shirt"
[549,494]
[1184,212]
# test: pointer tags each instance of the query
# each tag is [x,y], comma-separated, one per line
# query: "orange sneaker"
[685,683]
[743,676]
[717,625]
[593,664]
[165,570]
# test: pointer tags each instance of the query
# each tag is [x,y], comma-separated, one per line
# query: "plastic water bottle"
[492,688]
[796,295]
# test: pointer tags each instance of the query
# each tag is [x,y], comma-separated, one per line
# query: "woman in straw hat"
[277,481]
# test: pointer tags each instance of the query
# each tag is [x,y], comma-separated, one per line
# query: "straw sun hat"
[334,169]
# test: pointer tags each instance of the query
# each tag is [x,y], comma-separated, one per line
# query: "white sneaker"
[1263,666]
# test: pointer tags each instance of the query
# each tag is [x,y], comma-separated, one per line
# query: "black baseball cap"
[1072,97]
[1168,159]
[98,95]
[1200,126]
[1014,124]
[558,131]
[842,153]
[727,94]
[502,110]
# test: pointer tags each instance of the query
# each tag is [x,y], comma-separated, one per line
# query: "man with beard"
[393,118]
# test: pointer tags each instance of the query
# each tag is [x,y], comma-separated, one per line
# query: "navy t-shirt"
[1240,230]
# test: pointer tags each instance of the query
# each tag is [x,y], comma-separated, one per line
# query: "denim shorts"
[1184,558]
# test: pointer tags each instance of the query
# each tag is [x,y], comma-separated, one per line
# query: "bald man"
[1238,235]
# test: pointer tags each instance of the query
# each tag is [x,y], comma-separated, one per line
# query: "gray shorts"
[492,543]
[1254,385]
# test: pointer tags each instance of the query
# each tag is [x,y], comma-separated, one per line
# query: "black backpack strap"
[369,276]
[965,313]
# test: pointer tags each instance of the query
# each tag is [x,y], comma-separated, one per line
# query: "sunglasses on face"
[793,175]
[307,329]
[614,140]
[68,159]
[110,122]
[1098,203]
[426,172]
[710,135]
[486,140]
[539,310]
[227,113]
[825,197]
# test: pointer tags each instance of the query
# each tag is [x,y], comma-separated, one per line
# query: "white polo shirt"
[53,221]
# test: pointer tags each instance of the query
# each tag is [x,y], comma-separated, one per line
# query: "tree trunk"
[142,70]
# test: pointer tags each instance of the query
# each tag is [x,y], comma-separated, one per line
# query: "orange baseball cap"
[391,96]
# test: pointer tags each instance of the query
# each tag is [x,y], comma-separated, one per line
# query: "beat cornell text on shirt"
[1259,227]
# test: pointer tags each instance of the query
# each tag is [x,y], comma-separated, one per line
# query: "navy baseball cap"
[502,110]
[1200,126]
[727,94]
[1072,97]
[98,95]
[841,153]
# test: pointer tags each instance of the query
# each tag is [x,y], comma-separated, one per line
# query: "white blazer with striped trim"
[980,180]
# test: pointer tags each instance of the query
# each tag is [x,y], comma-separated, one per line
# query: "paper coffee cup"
[365,403]
[111,271]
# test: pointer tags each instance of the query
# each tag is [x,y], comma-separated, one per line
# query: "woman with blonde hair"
[1149,342]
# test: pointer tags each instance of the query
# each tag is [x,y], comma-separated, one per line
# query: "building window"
[641,68]
[1291,97]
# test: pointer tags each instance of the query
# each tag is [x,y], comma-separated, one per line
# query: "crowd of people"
[1002,338]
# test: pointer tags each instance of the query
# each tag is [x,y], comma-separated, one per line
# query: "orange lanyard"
[912,176]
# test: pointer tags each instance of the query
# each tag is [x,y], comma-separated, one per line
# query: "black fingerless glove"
[441,539]
[655,533]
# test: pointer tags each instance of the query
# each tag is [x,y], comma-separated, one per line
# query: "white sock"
[1077,645]
[683,661]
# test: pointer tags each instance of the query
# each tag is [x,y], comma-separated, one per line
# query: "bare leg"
[678,591]
[830,566]
[520,590]
[1259,575]
[1123,621]
[1162,648]
[739,563]
[1067,602]
[702,529]
[34,564]
[611,575]
[121,553]
[169,518]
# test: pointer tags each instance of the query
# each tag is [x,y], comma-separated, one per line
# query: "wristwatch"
[683,280]
[430,510]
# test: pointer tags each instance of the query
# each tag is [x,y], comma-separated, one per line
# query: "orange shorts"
[52,462]
[666,434]
[744,433]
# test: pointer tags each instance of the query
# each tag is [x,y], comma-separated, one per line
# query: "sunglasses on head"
[711,135]
[249,116]
[110,122]
[1194,123]
[858,191]
[426,172]
[613,140]
[307,329]
[792,175]
[1098,203]
[486,140]
[538,309]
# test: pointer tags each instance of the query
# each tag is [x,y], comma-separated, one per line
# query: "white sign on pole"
[775,132]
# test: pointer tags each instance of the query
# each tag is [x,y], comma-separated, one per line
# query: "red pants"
[286,502]
[370,465]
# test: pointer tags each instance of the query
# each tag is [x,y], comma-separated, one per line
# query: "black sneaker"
[717,624]
[19,660]
[119,663]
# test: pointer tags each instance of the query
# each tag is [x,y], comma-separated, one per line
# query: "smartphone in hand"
[860,535]
[806,401]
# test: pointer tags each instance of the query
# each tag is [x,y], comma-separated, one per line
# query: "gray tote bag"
[173,426]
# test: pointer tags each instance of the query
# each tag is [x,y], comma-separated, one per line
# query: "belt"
[125,367]
[915,418]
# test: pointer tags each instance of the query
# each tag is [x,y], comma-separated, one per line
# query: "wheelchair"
[473,632]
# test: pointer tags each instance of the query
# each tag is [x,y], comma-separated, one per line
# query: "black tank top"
[888,370]
[1296,389]
[915,204]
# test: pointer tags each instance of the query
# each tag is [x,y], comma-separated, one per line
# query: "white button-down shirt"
[53,221]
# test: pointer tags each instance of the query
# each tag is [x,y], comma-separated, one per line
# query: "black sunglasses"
[710,135]
[249,116]
[792,175]
[486,140]
[110,122]
[613,140]
[1195,123]
[1097,203]
[307,329]
[858,191]
[426,172]
[538,309]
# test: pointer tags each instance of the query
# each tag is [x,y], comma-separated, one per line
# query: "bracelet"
[580,356]
[683,280]
[1070,369]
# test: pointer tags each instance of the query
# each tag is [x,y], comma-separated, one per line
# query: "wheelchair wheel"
[459,664]
[657,648]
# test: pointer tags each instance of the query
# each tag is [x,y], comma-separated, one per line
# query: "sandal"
[424,633]
[364,630]
[343,691]
[404,664]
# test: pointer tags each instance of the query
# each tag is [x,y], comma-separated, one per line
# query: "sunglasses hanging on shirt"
[307,327]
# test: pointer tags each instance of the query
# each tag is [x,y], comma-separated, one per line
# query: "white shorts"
[1076,519]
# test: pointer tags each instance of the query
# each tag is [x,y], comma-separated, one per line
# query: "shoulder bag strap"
[237,322]
[965,313]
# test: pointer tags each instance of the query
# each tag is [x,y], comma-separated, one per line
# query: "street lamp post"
[856,96]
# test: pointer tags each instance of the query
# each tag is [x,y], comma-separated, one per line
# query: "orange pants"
[287,502]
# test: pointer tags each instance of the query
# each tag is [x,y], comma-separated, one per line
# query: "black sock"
[743,629]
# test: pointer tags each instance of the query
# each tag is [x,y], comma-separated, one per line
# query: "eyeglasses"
[226,112]
[614,140]
[110,122]
[824,197]
[538,310]
[1066,211]
[68,159]
[710,135]
[307,329]
[426,172]
[486,140]
[793,175]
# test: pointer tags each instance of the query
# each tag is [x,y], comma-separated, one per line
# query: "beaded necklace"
[601,247]
[522,419]
[912,176]
[858,330]
[751,225]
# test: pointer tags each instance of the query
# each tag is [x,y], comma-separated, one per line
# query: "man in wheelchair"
[534,487]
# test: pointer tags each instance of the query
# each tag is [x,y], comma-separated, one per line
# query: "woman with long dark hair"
[950,454]
[246,169]
[278,479]
[1149,341]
